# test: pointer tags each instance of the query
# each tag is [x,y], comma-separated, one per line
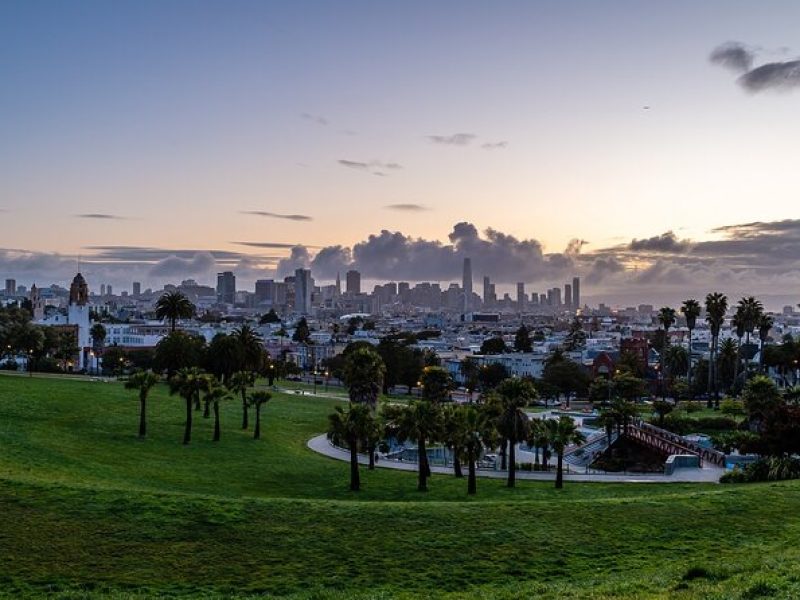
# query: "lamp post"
[327,374]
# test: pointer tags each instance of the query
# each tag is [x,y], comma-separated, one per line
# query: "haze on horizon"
[648,148]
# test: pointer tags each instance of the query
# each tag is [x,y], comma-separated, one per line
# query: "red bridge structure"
[669,443]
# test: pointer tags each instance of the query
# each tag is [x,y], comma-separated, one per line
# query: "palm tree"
[346,428]
[215,393]
[536,432]
[143,381]
[765,323]
[738,323]
[752,310]
[514,395]
[239,383]
[676,360]
[363,374]
[421,422]
[98,334]
[454,434]
[188,383]
[666,316]
[479,433]
[251,347]
[172,306]
[259,399]
[716,307]
[727,359]
[690,310]
[564,432]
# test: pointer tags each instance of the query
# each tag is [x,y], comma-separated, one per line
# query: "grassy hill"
[87,509]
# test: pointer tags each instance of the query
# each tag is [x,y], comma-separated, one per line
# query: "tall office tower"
[404,291]
[338,289]
[534,298]
[568,295]
[576,292]
[520,296]
[487,291]
[265,291]
[542,299]
[109,290]
[11,287]
[137,288]
[467,285]
[303,286]
[353,282]
[556,296]
[226,287]
[102,289]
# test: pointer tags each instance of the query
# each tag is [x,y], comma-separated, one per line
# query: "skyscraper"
[11,287]
[568,294]
[487,291]
[467,285]
[520,296]
[303,286]
[353,282]
[137,288]
[576,293]
[226,287]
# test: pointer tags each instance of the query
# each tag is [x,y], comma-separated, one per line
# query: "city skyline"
[652,160]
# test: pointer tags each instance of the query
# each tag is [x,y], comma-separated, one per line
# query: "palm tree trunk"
[471,479]
[216,421]
[371,456]
[207,409]
[422,466]
[187,432]
[503,454]
[457,464]
[142,415]
[245,422]
[560,470]
[535,457]
[197,401]
[512,465]
[355,478]
[689,371]
[257,431]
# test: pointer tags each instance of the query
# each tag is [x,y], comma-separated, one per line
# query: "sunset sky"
[153,138]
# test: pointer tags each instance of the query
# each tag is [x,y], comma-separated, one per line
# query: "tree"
[66,348]
[716,307]
[224,357]
[239,382]
[436,384]
[173,306]
[362,374]
[347,427]
[563,432]
[690,310]
[214,394]
[259,399]
[477,432]
[494,345]
[188,383]
[514,395]
[470,373]
[301,333]
[270,317]
[421,422]
[491,375]
[576,336]
[727,359]
[565,375]
[454,434]
[676,361]
[751,310]
[178,350]
[251,348]
[522,340]
[143,382]
[666,316]
[98,334]
[765,323]
[662,408]
[761,401]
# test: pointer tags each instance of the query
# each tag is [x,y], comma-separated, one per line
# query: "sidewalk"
[321,445]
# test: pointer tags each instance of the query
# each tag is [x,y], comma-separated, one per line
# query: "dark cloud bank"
[777,75]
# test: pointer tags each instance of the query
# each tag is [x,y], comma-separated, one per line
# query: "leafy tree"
[363,373]
[270,317]
[347,427]
[66,348]
[576,336]
[565,375]
[301,333]
[224,357]
[494,345]
[491,375]
[563,432]
[178,350]
[761,400]
[522,340]
[514,395]
[98,334]
[632,363]
[188,383]
[143,382]
[662,408]
[173,306]
[436,384]
[258,399]
[470,372]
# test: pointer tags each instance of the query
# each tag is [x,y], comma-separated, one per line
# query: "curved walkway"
[321,445]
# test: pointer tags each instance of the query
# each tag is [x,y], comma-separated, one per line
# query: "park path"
[322,445]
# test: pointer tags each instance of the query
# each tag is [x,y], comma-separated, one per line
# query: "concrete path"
[321,445]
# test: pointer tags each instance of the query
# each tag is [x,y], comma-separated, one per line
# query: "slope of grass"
[89,510]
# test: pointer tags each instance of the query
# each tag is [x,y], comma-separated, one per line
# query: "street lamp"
[327,374]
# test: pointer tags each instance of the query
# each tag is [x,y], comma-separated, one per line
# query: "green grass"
[87,509]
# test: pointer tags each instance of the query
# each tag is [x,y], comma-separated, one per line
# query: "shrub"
[8,365]
[765,469]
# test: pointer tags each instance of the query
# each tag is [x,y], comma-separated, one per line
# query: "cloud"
[374,167]
[733,55]
[100,216]
[299,258]
[175,266]
[457,139]
[666,242]
[407,207]
[279,245]
[272,215]
[318,119]
[494,145]
[778,75]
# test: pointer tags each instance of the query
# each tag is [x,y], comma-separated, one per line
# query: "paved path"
[321,445]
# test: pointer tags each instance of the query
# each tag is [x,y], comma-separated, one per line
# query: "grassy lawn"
[87,509]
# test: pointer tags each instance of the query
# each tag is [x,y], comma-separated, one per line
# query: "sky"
[649,147]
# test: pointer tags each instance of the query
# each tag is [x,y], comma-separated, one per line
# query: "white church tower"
[78,314]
